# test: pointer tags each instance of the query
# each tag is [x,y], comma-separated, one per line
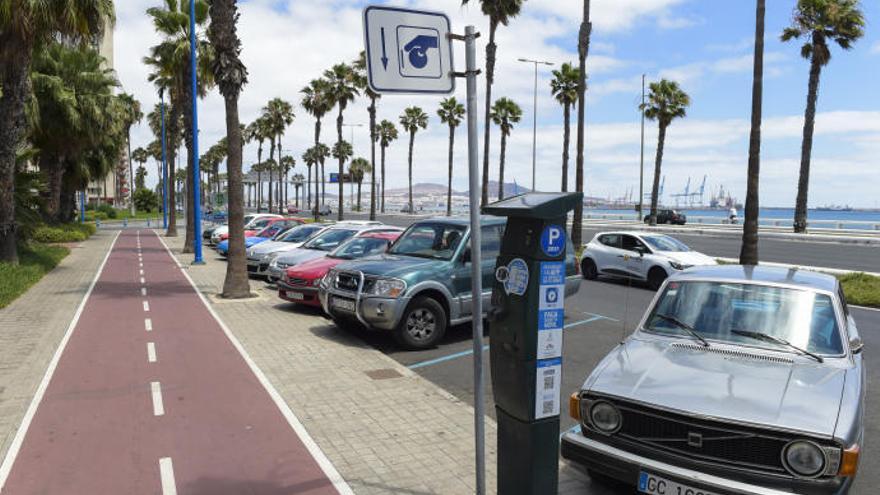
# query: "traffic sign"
[408,51]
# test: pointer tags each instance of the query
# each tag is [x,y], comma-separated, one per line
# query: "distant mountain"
[432,188]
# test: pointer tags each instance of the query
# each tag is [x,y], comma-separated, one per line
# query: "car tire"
[422,325]
[656,277]
[589,269]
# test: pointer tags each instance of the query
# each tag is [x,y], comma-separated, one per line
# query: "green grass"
[861,289]
[35,260]
[69,232]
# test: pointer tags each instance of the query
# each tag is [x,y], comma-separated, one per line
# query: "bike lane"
[150,396]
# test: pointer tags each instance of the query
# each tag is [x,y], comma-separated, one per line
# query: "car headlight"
[387,287]
[678,266]
[317,281]
[804,458]
[328,279]
[605,417]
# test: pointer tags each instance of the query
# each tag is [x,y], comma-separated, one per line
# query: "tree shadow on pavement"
[219,486]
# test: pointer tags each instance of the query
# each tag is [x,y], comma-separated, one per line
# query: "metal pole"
[534,127]
[642,159]
[476,259]
[82,206]
[164,167]
[197,206]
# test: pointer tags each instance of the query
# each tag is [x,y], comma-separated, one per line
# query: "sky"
[706,46]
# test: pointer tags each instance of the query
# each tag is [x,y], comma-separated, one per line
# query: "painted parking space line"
[156,393]
[573,429]
[166,475]
[151,352]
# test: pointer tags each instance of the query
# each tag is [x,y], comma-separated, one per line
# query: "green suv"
[422,285]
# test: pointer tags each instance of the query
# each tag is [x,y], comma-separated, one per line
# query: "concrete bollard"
[124,223]
[97,223]
[148,223]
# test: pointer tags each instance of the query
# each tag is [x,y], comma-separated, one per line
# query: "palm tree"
[505,113]
[279,114]
[317,102]
[342,90]
[141,156]
[140,177]
[256,131]
[357,169]
[311,159]
[411,120]
[666,102]
[386,133]
[564,88]
[298,181]
[22,27]
[360,66]
[286,165]
[499,12]
[342,151]
[132,115]
[451,113]
[820,21]
[577,226]
[316,156]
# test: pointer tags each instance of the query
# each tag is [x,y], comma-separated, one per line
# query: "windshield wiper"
[776,340]
[684,326]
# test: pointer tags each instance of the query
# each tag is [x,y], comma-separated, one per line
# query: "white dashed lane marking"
[156,392]
[144,291]
[151,352]
[146,306]
[148,325]
[166,473]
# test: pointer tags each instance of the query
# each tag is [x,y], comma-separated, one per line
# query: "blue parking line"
[573,429]
[582,322]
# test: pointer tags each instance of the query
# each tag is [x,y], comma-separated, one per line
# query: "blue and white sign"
[551,309]
[514,276]
[408,51]
[553,240]
[547,387]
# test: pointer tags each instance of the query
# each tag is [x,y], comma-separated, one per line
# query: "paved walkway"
[150,396]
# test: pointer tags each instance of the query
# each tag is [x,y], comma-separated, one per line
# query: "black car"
[671,217]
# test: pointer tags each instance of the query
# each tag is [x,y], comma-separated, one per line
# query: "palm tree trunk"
[272,163]
[800,209]
[655,190]
[359,194]
[372,110]
[130,174]
[749,250]
[490,76]
[449,186]
[339,140]
[236,284]
[383,178]
[501,165]
[171,158]
[412,139]
[189,241]
[566,138]
[583,50]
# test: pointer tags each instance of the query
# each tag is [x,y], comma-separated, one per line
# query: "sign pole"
[197,177]
[476,259]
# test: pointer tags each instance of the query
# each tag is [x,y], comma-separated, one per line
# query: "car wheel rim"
[421,324]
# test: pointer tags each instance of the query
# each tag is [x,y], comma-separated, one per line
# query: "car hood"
[220,230]
[313,269]
[392,265]
[273,246]
[253,241]
[300,255]
[690,258]
[747,387]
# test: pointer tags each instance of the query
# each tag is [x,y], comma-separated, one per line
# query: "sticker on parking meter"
[551,311]
[514,276]
[553,240]
[547,387]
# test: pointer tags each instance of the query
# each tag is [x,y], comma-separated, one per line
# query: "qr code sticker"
[547,407]
[549,377]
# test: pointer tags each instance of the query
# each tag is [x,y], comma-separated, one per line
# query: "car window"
[666,244]
[360,247]
[610,240]
[430,240]
[301,233]
[330,239]
[716,310]
[631,243]
[490,241]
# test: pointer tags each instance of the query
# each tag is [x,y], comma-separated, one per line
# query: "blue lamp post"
[197,207]
[82,206]
[164,165]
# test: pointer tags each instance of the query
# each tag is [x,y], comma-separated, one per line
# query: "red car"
[271,227]
[300,283]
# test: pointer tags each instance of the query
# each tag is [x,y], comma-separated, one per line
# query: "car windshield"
[259,224]
[360,247]
[299,234]
[665,243]
[736,313]
[430,240]
[330,239]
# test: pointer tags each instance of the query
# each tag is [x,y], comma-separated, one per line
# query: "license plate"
[343,304]
[656,485]
[295,295]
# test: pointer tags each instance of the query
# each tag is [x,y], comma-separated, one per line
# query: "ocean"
[855,219]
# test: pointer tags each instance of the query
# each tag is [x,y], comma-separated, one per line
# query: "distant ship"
[835,208]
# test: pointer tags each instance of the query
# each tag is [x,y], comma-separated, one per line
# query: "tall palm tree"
[451,113]
[386,133]
[22,27]
[342,151]
[577,227]
[171,70]
[748,254]
[256,131]
[279,114]
[317,101]
[843,22]
[564,87]
[287,163]
[499,12]
[318,154]
[132,115]
[360,65]
[141,156]
[342,91]
[357,169]
[412,119]
[298,181]
[505,112]
[666,102]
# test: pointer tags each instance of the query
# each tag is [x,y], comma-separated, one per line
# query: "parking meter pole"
[476,259]
[197,177]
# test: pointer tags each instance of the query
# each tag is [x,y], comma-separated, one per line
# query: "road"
[829,255]
[150,396]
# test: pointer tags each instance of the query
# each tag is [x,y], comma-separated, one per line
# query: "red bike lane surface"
[96,430]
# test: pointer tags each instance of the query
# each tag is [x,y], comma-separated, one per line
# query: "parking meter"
[525,329]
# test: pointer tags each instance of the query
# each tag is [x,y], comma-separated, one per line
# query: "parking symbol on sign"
[552,295]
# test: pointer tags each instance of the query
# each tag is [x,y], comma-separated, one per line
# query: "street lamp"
[197,178]
[534,115]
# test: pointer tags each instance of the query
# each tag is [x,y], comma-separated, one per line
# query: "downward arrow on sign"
[384,53]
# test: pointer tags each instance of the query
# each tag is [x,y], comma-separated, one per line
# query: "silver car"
[258,254]
[744,380]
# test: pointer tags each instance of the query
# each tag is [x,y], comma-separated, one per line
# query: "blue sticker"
[546,363]
[550,319]
[553,240]
[514,276]
[552,273]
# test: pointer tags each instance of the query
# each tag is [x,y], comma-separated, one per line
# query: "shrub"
[861,289]
[146,200]
[107,210]
[71,232]
[34,262]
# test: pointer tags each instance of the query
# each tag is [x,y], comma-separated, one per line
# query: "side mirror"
[856,345]
[641,250]
[466,256]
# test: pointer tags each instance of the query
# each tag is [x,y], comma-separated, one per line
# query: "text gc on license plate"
[655,485]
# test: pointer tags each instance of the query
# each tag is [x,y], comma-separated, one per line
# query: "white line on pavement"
[151,352]
[166,473]
[148,324]
[144,291]
[156,392]
[18,439]
[146,306]
[143,281]
[142,272]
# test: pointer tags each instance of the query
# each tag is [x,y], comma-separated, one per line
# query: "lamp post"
[197,206]
[534,115]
